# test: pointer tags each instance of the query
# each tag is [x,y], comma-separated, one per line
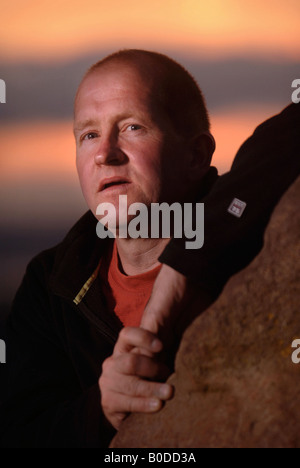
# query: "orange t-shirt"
[126,296]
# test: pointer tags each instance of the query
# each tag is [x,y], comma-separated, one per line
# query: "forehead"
[113,83]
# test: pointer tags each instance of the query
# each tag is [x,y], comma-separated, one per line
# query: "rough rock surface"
[235,382]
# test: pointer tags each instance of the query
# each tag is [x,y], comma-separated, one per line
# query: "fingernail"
[156,345]
[165,392]
[154,404]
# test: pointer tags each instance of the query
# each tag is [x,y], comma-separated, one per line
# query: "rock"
[235,382]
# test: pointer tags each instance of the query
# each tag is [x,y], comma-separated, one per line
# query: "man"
[128,143]
[141,130]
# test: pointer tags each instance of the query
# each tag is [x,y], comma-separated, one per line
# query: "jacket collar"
[77,258]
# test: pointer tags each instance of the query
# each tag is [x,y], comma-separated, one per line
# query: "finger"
[128,404]
[144,352]
[135,337]
[135,387]
[115,419]
[141,366]
[149,321]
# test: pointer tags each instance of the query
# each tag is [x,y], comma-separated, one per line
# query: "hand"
[126,383]
[174,303]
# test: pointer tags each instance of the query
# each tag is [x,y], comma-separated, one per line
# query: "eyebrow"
[93,122]
[82,125]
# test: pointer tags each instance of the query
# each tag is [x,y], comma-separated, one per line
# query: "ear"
[202,149]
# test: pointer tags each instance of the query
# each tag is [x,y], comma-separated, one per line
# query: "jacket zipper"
[102,327]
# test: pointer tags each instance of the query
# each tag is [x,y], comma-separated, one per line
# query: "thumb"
[149,321]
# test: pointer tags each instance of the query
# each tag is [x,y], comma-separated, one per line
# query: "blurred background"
[244,55]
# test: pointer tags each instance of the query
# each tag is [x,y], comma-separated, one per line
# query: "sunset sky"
[243,53]
[59,28]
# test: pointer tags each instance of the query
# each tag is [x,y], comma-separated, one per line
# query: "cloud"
[41,91]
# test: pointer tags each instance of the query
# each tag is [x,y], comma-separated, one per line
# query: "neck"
[138,256]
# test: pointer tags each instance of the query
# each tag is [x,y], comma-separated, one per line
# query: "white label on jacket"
[237,207]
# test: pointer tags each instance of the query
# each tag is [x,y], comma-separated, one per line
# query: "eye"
[133,127]
[90,136]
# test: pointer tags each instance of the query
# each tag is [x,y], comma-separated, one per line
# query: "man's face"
[125,144]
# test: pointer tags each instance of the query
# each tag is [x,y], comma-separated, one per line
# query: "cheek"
[175,164]
[149,178]
[149,163]
[80,170]
[83,175]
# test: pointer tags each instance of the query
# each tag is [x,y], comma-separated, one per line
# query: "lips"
[112,182]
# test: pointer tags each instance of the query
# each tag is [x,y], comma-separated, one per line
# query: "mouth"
[107,184]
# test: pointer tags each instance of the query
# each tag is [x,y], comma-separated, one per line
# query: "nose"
[108,152]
